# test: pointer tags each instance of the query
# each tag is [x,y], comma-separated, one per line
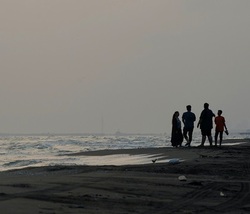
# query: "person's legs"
[203,139]
[216,137]
[185,135]
[190,135]
[210,139]
[209,135]
[221,137]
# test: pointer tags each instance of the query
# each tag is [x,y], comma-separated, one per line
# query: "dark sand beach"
[217,181]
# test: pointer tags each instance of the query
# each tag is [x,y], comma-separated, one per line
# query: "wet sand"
[217,181]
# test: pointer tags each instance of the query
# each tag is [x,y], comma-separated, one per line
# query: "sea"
[21,151]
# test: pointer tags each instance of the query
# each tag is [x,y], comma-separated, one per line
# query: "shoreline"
[217,181]
[140,156]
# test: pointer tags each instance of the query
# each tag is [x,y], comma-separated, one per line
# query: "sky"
[93,66]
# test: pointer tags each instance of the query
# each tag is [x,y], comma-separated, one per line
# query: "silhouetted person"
[188,119]
[176,135]
[206,124]
[220,124]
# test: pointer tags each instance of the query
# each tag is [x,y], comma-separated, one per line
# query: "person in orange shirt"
[220,124]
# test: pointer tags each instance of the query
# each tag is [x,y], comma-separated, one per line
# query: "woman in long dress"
[176,136]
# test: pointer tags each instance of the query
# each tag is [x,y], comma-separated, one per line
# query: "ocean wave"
[20,163]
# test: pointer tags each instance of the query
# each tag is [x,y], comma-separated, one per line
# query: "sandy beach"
[214,180]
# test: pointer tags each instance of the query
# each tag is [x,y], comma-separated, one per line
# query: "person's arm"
[200,119]
[225,124]
[198,124]
[183,118]
[226,131]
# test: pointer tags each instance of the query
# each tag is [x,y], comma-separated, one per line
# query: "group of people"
[205,123]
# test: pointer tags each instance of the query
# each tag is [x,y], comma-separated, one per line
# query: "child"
[220,124]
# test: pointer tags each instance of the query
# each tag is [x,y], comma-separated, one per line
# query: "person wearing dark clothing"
[188,119]
[176,135]
[206,124]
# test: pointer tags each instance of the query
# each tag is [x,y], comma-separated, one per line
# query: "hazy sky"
[68,65]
